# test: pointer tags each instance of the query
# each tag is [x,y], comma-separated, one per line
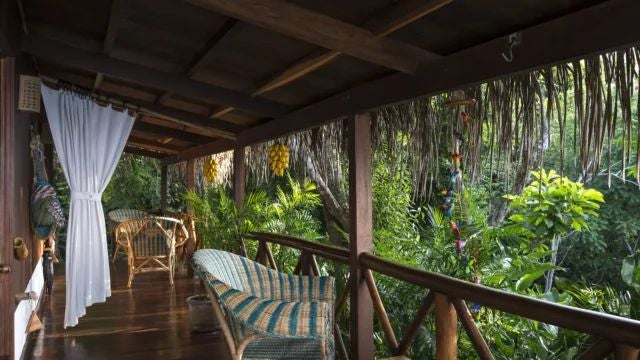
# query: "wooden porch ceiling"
[251,70]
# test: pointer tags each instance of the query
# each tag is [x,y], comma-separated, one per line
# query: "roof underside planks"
[236,78]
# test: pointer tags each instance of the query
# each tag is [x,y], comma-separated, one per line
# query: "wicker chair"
[150,243]
[265,314]
[116,217]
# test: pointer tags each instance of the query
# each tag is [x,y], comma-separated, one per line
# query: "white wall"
[24,309]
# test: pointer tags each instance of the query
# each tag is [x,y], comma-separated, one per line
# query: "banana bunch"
[279,158]
[210,169]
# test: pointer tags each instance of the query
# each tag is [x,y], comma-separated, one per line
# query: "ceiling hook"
[513,40]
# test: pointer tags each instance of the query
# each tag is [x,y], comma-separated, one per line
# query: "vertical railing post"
[239,172]
[163,188]
[360,234]
[625,352]
[446,328]
[191,185]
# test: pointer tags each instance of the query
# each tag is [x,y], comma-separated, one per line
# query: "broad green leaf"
[630,271]
[525,282]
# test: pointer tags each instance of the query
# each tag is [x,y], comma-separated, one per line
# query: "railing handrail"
[335,253]
[615,328]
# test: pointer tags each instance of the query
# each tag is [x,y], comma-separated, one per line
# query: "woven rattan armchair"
[265,314]
[150,243]
[116,217]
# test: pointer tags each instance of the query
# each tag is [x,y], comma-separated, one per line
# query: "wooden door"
[16,177]
[7,306]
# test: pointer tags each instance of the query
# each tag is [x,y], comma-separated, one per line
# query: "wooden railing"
[449,296]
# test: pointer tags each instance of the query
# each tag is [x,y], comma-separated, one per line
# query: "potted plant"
[201,314]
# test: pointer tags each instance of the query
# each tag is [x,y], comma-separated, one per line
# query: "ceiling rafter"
[382,24]
[322,30]
[154,144]
[178,134]
[217,128]
[144,152]
[204,56]
[76,58]
[116,14]
[612,26]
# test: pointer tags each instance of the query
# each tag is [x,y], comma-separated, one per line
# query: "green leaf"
[630,271]
[525,282]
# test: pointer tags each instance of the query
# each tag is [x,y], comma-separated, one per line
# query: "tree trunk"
[336,216]
[555,244]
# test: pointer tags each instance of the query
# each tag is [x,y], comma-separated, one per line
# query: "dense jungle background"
[545,200]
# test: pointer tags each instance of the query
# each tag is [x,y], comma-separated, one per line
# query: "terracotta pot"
[20,250]
[201,314]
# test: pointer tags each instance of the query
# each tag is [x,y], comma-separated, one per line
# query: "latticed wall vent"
[29,97]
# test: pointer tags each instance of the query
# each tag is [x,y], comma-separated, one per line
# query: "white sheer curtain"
[89,139]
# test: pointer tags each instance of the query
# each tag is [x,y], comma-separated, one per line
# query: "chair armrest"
[184,238]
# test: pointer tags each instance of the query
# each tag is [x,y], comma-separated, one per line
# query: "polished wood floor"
[150,321]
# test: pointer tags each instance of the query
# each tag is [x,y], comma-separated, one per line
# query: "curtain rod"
[121,103]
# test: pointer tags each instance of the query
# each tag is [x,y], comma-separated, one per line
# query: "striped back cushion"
[253,278]
[121,215]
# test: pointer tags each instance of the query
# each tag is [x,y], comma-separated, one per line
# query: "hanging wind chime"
[278,158]
[455,183]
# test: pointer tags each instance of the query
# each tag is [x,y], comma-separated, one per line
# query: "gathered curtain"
[89,140]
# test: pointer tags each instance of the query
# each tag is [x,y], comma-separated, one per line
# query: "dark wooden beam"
[143,152]
[205,55]
[49,164]
[115,16]
[360,234]
[170,132]
[221,128]
[383,24]
[611,26]
[239,186]
[9,27]
[203,150]
[153,145]
[76,58]
[317,28]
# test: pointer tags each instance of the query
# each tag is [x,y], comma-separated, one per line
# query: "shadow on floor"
[149,321]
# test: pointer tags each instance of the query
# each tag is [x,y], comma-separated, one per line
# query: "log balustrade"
[449,297]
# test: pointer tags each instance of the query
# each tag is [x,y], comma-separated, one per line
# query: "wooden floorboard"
[150,321]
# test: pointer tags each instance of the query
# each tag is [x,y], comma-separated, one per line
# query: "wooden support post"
[239,185]
[48,162]
[446,329]
[191,184]
[360,234]
[625,352]
[163,188]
